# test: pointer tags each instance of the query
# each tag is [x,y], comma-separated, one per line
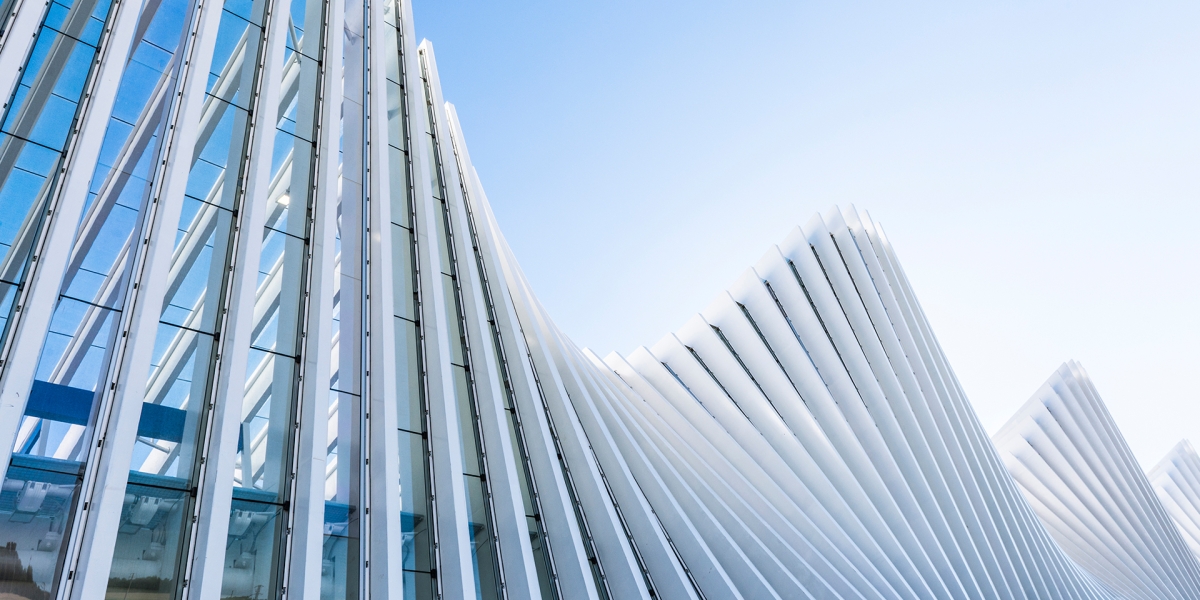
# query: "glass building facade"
[262,338]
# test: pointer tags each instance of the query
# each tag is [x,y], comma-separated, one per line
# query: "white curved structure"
[1065,451]
[1176,479]
[261,337]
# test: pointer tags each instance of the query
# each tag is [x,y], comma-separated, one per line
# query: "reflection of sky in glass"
[75,351]
[20,189]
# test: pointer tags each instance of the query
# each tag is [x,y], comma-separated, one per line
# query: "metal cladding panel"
[261,336]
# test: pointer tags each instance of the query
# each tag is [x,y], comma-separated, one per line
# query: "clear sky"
[1035,164]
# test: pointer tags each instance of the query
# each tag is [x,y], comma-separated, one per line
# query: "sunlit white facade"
[1176,479]
[1065,451]
[261,337]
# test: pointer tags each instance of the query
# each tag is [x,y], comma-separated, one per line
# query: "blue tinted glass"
[56,15]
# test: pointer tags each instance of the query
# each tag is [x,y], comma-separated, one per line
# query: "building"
[262,338]
[1176,479]
[1079,476]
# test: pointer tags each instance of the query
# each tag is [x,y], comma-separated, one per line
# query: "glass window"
[43,108]
[409,392]
[197,276]
[288,201]
[472,465]
[402,278]
[37,506]
[454,318]
[55,435]
[340,554]
[281,280]
[398,182]
[251,565]
[174,403]
[236,37]
[23,186]
[415,517]
[264,443]
[146,560]
[61,405]
[483,544]
[419,586]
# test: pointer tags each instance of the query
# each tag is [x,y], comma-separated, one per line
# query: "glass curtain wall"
[37,505]
[416,520]
[341,555]
[152,539]
[485,551]
[264,464]
[36,129]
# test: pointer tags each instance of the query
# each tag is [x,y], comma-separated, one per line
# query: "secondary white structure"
[260,337]
[1076,470]
[1176,479]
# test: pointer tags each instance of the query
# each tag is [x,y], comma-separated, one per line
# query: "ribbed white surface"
[804,437]
[1079,475]
[1176,480]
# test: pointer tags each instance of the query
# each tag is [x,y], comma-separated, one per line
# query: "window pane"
[266,418]
[281,275]
[483,544]
[37,505]
[541,558]
[340,562]
[26,174]
[398,181]
[402,280]
[149,542]
[62,401]
[418,586]
[50,88]
[414,502]
[472,465]
[236,38]
[175,397]
[250,552]
[288,199]
[410,413]
[197,272]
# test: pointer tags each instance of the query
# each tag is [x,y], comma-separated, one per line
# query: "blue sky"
[1036,165]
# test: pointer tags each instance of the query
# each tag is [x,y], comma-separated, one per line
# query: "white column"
[622,573]
[215,487]
[385,576]
[455,570]
[564,537]
[27,16]
[303,579]
[503,480]
[141,317]
[35,305]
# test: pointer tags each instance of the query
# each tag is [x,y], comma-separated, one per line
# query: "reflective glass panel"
[37,505]
[146,560]
[251,570]
[174,403]
[340,554]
